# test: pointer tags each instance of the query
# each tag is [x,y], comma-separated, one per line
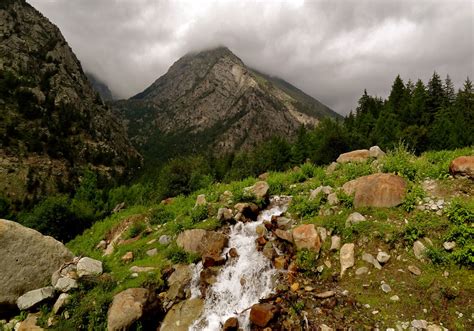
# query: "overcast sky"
[330,49]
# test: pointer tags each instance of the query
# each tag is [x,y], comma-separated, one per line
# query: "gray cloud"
[330,49]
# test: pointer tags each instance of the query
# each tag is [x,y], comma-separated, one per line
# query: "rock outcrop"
[28,260]
[53,123]
[182,315]
[377,190]
[126,308]
[306,237]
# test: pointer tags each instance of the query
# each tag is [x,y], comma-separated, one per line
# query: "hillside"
[212,100]
[52,123]
[398,257]
[100,87]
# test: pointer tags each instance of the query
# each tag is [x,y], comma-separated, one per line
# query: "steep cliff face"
[52,123]
[211,100]
[100,87]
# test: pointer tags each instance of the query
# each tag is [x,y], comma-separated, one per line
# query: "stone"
[331,168]
[246,212]
[335,243]
[164,240]
[377,190]
[283,223]
[224,214]
[62,300]
[383,257]
[325,190]
[462,166]
[333,200]
[28,259]
[419,324]
[29,324]
[449,245]
[127,257]
[88,267]
[434,327]
[323,233]
[414,270]
[259,190]
[231,324]
[101,245]
[395,298]
[136,269]
[354,218]
[200,200]
[295,287]
[361,271]
[182,315]
[280,263]
[386,288]
[202,242]
[376,152]
[262,313]
[370,259]
[419,249]
[359,155]
[32,298]
[306,236]
[284,235]
[178,281]
[261,230]
[213,261]
[152,252]
[346,257]
[324,327]
[325,295]
[65,284]
[126,308]
[233,252]
[264,176]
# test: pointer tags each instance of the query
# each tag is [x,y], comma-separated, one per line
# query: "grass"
[391,229]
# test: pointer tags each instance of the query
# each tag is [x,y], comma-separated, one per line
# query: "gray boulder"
[87,266]
[27,260]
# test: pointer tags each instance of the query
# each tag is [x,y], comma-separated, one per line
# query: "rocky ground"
[374,241]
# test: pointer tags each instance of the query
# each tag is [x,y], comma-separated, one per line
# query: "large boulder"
[259,190]
[202,242]
[89,267]
[359,155]
[178,281]
[377,190]
[182,315]
[306,236]
[127,307]
[346,257]
[462,166]
[27,260]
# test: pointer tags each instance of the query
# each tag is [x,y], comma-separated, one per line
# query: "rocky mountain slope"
[100,87]
[52,123]
[213,100]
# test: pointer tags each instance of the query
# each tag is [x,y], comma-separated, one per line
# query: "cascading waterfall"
[242,281]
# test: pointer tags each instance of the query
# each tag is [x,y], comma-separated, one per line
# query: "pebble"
[449,245]
[386,288]
[367,306]
[325,295]
[419,324]
[414,270]
[361,271]
[308,288]
[395,298]
[335,243]
[383,257]
[294,287]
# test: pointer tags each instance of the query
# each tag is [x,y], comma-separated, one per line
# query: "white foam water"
[242,281]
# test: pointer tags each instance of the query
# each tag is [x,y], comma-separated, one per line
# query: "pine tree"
[449,93]
[435,98]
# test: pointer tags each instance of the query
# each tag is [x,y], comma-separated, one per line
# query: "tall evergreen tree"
[435,98]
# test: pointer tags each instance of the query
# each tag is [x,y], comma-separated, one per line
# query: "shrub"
[412,233]
[161,215]
[461,212]
[415,193]
[177,255]
[136,229]
[400,161]
[304,207]
[199,213]
[465,256]
[437,256]
[306,260]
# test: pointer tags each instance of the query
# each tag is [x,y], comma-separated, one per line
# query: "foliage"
[400,161]
[135,229]
[161,215]
[306,260]
[304,207]
[177,255]
[199,213]
[415,193]
[460,212]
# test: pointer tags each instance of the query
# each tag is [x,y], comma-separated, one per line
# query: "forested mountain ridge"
[211,100]
[52,123]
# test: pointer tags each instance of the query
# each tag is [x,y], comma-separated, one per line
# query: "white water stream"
[242,281]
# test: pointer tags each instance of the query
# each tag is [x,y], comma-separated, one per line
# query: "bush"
[461,212]
[136,229]
[199,213]
[177,255]
[465,256]
[306,260]
[400,161]
[59,217]
[415,194]
[304,207]
[161,215]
